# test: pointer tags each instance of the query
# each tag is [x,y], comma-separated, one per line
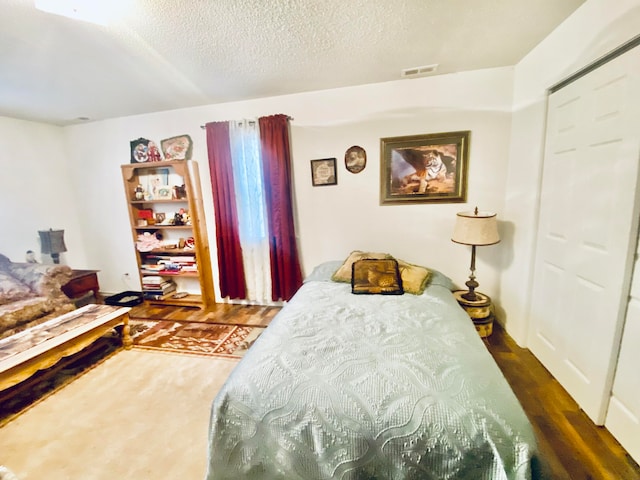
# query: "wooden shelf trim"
[157,226]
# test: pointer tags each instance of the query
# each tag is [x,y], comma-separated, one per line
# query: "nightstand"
[83,283]
[480,311]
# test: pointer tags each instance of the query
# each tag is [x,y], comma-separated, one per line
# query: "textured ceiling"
[164,54]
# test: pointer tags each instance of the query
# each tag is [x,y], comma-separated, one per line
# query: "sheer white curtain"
[248,182]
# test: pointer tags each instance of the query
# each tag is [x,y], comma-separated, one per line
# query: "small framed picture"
[323,172]
[164,192]
[154,178]
[161,217]
[355,159]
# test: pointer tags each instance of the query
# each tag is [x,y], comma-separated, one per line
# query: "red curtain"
[232,280]
[286,276]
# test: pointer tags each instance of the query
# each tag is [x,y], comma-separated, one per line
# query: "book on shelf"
[152,279]
[158,286]
[151,268]
[157,296]
[159,290]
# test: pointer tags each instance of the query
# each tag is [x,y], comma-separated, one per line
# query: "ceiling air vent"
[418,71]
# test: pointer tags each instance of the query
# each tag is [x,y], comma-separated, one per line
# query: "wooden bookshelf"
[162,218]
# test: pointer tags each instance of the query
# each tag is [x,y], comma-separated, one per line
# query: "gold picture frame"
[429,168]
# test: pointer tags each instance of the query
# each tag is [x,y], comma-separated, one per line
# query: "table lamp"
[52,243]
[475,229]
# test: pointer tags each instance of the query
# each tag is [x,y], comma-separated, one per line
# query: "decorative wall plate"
[177,148]
[139,150]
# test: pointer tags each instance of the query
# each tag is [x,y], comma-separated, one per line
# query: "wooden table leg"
[126,333]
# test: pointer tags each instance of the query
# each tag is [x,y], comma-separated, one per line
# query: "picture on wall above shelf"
[177,148]
[139,150]
[144,150]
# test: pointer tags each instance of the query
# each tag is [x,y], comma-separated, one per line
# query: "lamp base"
[55,257]
[471,294]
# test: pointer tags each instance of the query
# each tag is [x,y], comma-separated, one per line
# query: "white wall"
[596,28]
[82,191]
[35,193]
[333,220]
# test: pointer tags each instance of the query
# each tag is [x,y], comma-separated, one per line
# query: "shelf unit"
[150,196]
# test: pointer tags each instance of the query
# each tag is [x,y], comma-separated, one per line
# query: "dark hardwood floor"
[571,446]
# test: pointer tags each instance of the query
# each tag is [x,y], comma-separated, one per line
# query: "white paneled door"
[587,230]
[623,416]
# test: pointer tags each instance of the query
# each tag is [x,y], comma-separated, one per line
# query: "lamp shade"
[52,241]
[476,228]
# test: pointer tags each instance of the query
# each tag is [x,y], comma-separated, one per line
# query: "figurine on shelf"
[153,153]
[182,218]
[180,191]
[139,192]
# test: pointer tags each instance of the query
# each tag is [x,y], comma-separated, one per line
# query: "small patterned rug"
[192,338]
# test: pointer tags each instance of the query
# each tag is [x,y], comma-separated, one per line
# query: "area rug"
[138,415]
[209,340]
[17,399]
[191,338]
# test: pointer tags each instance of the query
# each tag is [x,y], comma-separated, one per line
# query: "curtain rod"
[290,118]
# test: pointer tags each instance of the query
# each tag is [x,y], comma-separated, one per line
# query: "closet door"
[587,230]
[623,416]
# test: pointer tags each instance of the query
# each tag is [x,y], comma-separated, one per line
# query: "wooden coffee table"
[41,346]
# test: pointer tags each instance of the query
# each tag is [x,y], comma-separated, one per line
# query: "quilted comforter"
[369,387]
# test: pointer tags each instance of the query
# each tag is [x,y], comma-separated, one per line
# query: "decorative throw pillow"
[414,277]
[343,274]
[376,276]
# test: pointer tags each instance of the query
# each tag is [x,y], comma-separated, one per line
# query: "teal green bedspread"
[368,387]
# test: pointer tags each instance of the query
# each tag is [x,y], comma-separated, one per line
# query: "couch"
[30,293]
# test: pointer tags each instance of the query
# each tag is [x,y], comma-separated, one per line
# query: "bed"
[368,387]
